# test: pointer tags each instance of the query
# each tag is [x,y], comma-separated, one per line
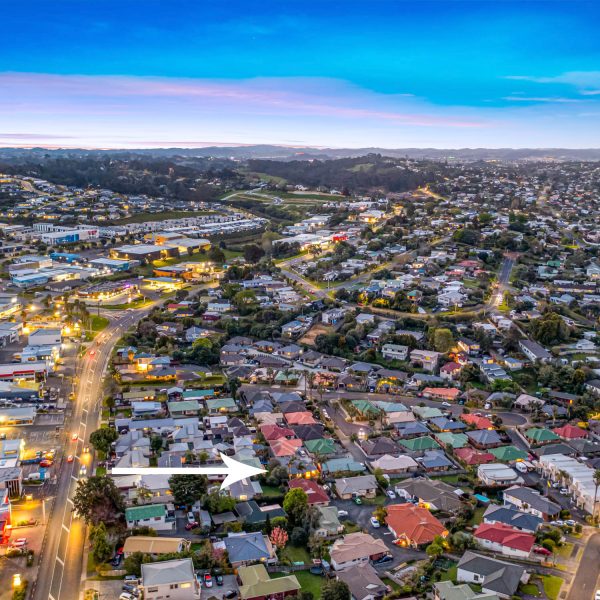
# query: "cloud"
[548,99]
[587,83]
[275,96]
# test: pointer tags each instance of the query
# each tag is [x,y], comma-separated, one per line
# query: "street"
[61,565]
[586,579]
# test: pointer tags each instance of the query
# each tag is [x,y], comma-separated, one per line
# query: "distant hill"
[308,153]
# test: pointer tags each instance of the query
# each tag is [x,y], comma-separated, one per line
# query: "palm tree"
[597,483]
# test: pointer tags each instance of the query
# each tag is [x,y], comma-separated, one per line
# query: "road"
[59,577]
[503,282]
[586,581]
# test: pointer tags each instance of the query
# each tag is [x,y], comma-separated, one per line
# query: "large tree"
[187,489]
[98,499]
[101,439]
[335,590]
[295,505]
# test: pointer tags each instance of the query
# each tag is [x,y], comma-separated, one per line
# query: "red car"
[46,463]
[542,551]
[190,526]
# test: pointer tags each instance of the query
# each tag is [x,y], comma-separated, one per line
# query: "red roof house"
[413,525]
[299,418]
[276,432]
[316,494]
[285,447]
[477,420]
[470,456]
[571,432]
[498,537]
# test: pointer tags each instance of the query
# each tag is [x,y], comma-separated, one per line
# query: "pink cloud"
[278,97]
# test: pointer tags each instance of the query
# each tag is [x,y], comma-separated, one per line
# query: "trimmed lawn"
[391,583]
[565,550]
[270,490]
[477,516]
[99,323]
[450,574]
[552,585]
[296,554]
[530,589]
[308,582]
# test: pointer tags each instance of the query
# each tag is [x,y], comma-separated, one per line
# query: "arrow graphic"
[234,469]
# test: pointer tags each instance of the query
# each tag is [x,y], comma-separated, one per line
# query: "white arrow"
[234,469]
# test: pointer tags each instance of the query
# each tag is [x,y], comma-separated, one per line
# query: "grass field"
[296,554]
[99,323]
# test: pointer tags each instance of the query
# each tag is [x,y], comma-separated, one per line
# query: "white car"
[191,518]
[375,522]
[127,596]
[570,523]
[564,491]
[342,513]
[446,404]
[391,494]
[19,543]
[597,594]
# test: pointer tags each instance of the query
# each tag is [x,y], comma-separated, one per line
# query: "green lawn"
[161,216]
[477,516]
[308,582]
[139,303]
[100,471]
[450,574]
[565,550]
[99,323]
[296,554]
[552,585]
[530,589]
[270,490]
[391,583]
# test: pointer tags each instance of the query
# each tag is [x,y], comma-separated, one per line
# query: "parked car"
[191,518]
[46,464]
[384,559]
[192,525]
[375,522]
[357,500]
[570,523]
[131,589]
[127,596]
[207,578]
[542,551]
[563,491]
[19,543]
[219,579]
[391,494]
[447,404]
[230,595]
[342,513]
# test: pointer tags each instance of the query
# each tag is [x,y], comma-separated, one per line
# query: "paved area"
[587,578]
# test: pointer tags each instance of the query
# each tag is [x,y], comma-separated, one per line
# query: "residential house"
[498,537]
[497,475]
[413,526]
[174,579]
[149,515]
[514,518]
[432,494]
[363,582]
[531,502]
[363,486]
[329,522]
[256,584]
[248,548]
[494,576]
[356,548]
[154,546]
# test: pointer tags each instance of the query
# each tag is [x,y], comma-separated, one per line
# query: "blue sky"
[396,73]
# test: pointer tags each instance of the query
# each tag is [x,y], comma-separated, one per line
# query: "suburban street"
[587,578]
[61,565]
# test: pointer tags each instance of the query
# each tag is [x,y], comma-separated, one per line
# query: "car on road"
[391,494]
[74,437]
[557,523]
[357,500]
[83,470]
[207,578]
[19,543]
[46,464]
[597,595]
[342,513]
[127,596]
[70,458]
[375,522]
[447,404]
[86,449]
[570,523]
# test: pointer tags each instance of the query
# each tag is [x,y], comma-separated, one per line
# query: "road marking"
[84,425]
[67,529]
[73,477]
[62,563]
